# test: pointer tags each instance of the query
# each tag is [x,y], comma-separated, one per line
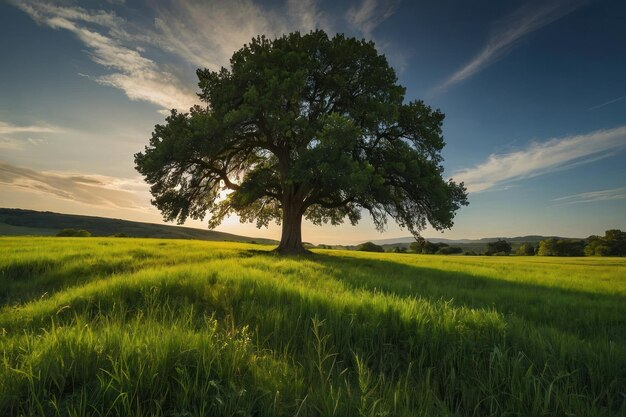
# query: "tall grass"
[178,328]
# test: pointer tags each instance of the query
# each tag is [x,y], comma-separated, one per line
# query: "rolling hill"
[18,222]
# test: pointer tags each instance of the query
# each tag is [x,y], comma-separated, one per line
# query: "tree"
[561,247]
[612,244]
[418,245]
[370,247]
[425,247]
[449,250]
[616,241]
[302,126]
[547,247]
[500,246]
[571,247]
[526,249]
[398,249]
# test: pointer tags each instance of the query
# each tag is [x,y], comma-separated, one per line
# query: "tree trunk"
[291,238]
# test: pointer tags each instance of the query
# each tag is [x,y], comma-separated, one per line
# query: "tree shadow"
[586,315]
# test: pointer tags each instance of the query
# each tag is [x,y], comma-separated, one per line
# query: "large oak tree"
[303,126]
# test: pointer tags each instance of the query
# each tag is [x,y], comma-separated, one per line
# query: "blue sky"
[534,94]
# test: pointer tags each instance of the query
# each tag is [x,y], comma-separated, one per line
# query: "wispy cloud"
[523,21]
[541,158]
[593,196]
[307,15]
[14,137]
[606,103]
[102,33]
[95,190]
[208,36]
[369,14]
[8,128]
[198,33]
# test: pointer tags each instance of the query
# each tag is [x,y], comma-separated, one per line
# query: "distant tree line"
[429,248]
[613,243]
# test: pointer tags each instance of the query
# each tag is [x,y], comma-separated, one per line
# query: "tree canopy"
[500,246]
[370,247]
[561,247]
[303,126]
[526,249]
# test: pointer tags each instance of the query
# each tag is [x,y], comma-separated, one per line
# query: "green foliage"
[398,249]
[499,247]
[526,249]
[370,247]
[417,246]
[148,327]
[561,247]
[612,244]
[616,240]
[303,125]
[449,250]
[428,248]
[73,233]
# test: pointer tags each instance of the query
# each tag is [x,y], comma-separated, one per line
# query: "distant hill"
[16,222]
[468,245]
[484,241]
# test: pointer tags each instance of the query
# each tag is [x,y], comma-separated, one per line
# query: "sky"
[534,94]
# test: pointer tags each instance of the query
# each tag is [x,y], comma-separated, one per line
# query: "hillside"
[16,222]
[145,327]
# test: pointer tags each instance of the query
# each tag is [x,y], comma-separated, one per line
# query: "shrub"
[73,233]
[370,247]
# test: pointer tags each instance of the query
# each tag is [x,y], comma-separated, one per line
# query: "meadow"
[150,327]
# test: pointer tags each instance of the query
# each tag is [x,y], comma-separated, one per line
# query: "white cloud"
[102,33]
[201,34]
[95,190]
[523,21]
[593,196]
[207,36]
[367,16]
[541,158]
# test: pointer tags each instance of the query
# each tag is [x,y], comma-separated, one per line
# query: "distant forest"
[613,243]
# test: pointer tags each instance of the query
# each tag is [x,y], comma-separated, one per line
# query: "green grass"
[148,327]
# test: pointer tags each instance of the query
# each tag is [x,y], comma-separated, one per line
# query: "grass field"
[148,327]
